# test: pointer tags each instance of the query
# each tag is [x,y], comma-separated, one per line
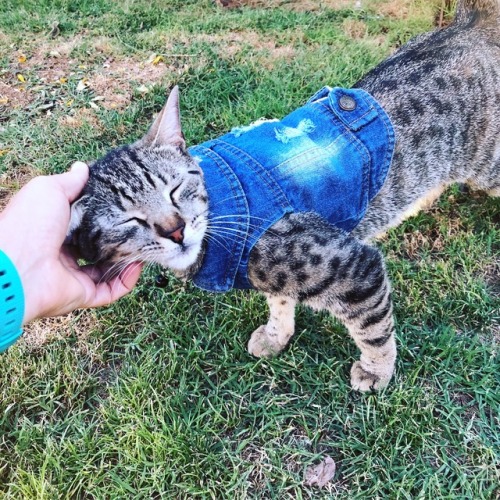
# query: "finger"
[130,275]
[102,272]
[74,181]
[95,273]
[109,292]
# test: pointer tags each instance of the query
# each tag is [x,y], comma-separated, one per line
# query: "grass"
[156,396]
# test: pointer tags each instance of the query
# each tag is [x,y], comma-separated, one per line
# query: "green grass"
[157,397]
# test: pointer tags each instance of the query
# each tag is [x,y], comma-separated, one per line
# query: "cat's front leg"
[360,296]
[272,338]
[305,258]
[377,345]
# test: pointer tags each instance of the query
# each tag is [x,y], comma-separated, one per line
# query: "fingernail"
[78,165]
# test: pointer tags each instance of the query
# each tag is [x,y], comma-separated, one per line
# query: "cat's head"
[144,202]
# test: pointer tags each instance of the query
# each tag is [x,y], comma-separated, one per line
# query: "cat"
[436,104]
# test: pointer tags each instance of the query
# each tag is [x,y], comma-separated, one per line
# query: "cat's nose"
[173,232]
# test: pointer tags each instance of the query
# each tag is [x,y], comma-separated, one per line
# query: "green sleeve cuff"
[11,303]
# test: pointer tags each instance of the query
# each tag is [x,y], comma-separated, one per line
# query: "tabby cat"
[437,100]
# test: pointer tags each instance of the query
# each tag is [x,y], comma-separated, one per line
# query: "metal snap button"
[347,103]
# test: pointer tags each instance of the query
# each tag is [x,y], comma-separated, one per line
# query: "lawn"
[156,396]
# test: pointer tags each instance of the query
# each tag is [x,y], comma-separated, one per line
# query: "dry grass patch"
[354,29]
[399,9]
[12,181]
[80,117]
[433,10]
[78,323]
[406,9]
[297,5]
[265,51]
[416,242]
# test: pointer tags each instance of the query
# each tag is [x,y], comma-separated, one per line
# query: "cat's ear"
[77,210]
[166,129]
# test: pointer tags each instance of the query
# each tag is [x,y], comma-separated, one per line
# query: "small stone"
[161,281]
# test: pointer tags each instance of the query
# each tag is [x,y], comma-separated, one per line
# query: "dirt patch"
[491,274]
[54,70]
[117,80]
[12,96]
[39,332]
[466,401]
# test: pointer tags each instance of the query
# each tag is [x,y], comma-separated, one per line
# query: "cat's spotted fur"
[442,93]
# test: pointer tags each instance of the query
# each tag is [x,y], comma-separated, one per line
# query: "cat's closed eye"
[173,198]
[137,220]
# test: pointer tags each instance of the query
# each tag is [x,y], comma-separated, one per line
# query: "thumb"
[74,181]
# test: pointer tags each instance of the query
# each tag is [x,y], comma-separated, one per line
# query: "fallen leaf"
[4,151]
[157,60]
[21,77]
[63,80]
[143,89]
[22,58]
[46,106]
[82,85]
[320,474]
[4,100]
[69,103]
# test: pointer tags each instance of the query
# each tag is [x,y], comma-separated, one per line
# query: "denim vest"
[330,156]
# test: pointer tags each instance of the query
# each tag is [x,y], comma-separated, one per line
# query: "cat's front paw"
[262,344]
[364,381]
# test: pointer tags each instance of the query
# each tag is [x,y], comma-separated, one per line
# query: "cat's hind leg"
[272,338]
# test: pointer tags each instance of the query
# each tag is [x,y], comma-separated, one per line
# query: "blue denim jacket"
[330,156]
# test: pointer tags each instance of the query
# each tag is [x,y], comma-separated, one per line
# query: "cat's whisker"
[129,269]
[213,237]
[223,227]
[218,217]
[109,273]
[229,234]
[226,225]
[218,221]
[117,268]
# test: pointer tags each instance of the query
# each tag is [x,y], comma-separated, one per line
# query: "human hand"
[33,228]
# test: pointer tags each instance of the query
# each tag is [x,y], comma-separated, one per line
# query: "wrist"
[26,267]
[11,302]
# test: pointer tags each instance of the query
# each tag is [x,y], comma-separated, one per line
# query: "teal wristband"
[11,303]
